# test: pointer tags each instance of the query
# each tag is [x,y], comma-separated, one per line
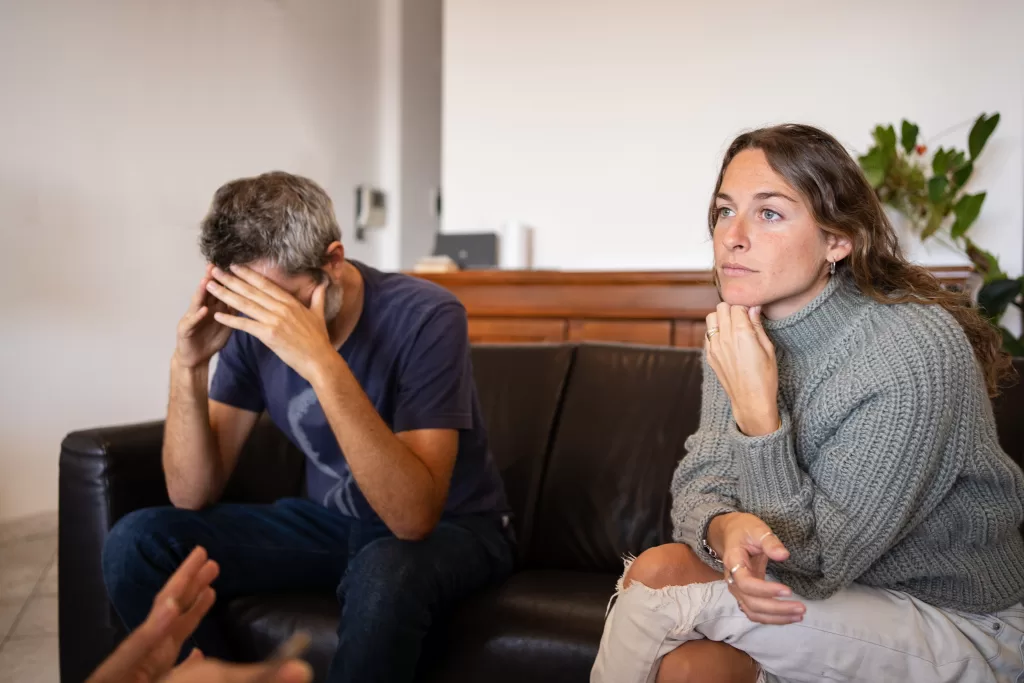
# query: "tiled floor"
[28,600]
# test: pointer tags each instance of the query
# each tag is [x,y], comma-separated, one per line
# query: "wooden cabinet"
[689,333]
[653,308]
[515,330]
[651,332]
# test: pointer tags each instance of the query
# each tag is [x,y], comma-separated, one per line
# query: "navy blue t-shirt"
[410,353]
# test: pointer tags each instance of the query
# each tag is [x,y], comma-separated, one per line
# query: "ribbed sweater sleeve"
[704,483]
[881,471]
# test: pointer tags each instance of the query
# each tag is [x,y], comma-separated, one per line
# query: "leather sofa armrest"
[108,472]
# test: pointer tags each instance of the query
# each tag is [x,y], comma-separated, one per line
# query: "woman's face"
[769,251]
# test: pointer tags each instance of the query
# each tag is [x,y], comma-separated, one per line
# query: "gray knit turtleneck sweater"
[886,471]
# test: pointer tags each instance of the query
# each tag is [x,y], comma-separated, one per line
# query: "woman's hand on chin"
[743,358]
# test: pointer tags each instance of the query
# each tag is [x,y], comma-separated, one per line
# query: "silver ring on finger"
[729,578]
[766,535]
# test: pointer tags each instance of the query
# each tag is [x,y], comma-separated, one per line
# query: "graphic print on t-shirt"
[302,415]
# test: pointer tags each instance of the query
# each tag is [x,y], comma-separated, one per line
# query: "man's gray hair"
[279,217]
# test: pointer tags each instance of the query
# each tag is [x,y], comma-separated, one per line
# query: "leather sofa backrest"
[626,413]
[520,389]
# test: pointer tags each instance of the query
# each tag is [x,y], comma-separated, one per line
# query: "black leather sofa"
[587,438]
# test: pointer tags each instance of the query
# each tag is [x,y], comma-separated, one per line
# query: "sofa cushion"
[626,414]
[520,389]
[537,621]
[257,624]
[538,625]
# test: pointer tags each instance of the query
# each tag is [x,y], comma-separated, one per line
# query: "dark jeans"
[390,591]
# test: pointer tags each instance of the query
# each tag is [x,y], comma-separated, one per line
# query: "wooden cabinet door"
[652,332]
[516,330]
[689,333]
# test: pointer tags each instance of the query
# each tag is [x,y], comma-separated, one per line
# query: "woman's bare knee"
[707,661]
[673,564]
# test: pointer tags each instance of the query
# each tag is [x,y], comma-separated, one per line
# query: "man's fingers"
[263,284]
[244,324]
[245,289]
[189,323]
[238,302]
[199,296]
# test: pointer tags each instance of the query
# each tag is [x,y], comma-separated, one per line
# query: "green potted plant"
[930,192]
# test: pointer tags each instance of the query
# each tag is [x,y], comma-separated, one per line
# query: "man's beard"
[333,299]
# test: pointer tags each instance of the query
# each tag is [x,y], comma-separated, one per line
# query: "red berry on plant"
[921,149]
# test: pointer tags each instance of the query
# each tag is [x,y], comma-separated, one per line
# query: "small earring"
[832,268]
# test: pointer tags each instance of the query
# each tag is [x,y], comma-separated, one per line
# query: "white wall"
[602,123]
[422,49]
[119,120]
[410,126]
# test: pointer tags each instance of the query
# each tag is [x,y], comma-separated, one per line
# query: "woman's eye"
[770,215]
[724,211]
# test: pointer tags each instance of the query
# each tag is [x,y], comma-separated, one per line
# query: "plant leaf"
[940,162]
[875,165]
[1014,347]
[967,210]
[937,186]
[963,174]
[999,295]
[995,297]
[980,133]
[933,225]
[984,261]
[886,138]
[908,136]
[955,159]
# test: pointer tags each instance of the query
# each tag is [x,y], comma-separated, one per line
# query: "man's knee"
[139,544]
[386,572]
[673,564]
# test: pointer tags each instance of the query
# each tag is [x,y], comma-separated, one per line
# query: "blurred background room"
[559,150]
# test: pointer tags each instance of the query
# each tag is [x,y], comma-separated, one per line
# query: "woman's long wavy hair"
[844,203]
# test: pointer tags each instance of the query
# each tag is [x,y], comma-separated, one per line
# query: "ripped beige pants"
[860,634]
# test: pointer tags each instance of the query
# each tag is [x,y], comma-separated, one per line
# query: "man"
[369,375]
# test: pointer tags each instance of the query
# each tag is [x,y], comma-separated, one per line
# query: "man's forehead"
[276,274]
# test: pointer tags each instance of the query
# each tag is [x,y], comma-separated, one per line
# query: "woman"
[844,511]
